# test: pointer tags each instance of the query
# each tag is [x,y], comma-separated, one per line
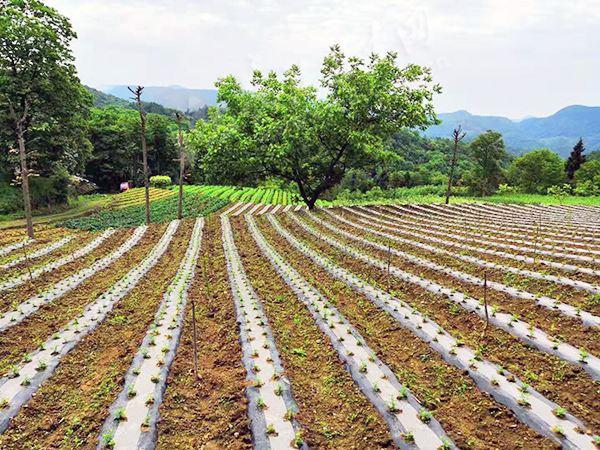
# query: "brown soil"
[69,409]
[552,322]
[80,240]
[333,412]
[494,233]
[566,384]
[470,417]
[50,318]
[210,413]
[11,298]
[573,296]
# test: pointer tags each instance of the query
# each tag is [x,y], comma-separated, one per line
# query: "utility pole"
[457,136]
[137,96]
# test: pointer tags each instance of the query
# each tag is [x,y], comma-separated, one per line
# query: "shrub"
[11,199]
[160,181]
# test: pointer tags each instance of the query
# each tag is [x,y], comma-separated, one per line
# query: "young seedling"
[120,414]
[425,415]
[271,430]
[408,437]
[560,412]
[278,390]
[108,440]
[298,441]
[131,392]
[393,407]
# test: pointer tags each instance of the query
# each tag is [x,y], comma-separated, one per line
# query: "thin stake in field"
[28,263]
[537,237]
[389,261]
[485,305]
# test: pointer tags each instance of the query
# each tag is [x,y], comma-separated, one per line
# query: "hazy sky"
[514,57]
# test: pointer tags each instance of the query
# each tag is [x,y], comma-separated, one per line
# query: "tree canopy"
[286,130]
[488,153]
[575,160]
[535,172]
[39,86]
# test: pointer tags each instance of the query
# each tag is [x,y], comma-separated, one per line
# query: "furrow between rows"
[25,379]
[409,422]
[530,406]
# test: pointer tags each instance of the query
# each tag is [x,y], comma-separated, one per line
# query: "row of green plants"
[194,204]
[267,196]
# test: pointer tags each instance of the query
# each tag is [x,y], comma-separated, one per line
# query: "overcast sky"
[514,57]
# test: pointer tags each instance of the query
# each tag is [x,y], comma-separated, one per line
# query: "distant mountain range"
[175,97]
[558,132]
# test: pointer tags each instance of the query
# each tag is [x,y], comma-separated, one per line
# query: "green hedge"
[160,181]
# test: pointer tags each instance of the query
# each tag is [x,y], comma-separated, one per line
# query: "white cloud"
[514,58]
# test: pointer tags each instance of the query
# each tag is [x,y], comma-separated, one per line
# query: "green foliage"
[536,171]
[39,89]
[285,130]
[575,160]
[11,199]
[587,178]
[163,210]
[160,181]
[488,153]
[114,133]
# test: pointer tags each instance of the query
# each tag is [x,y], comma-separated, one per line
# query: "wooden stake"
[388,265]
[485,304]
[195,340]
[28,264]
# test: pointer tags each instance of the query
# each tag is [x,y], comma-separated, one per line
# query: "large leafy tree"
[289,131]
[488,154]
[536,171]
[41,99]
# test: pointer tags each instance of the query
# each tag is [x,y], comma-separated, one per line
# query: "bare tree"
[457,136]
[137,96]
[179,118]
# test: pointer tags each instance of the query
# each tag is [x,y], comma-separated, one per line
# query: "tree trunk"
[137,92]
[181,169]
[145,162]
[458,136]
[449,190]
[25,181]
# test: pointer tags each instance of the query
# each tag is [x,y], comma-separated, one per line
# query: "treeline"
[484,168]
[357,133]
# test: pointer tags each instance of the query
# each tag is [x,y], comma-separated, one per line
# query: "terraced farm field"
[461,326]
